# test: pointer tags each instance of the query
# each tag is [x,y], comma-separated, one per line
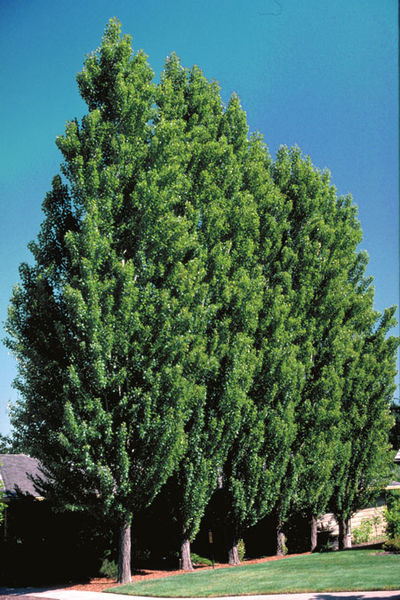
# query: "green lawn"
[331,572]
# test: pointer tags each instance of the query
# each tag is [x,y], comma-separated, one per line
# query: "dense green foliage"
[197,317]
[362,466]
[227,228]
[392,545]
[363,533]
[116,297]
[392,515]
[200,560]
[6,444]
[321,244]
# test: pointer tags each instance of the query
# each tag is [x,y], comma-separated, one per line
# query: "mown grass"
[355,570]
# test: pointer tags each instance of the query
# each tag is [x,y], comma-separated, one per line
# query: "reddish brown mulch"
[100,584]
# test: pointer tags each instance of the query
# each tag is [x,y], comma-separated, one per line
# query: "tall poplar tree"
[258,457]
[104,324]
[321,243]
[193,311]
[231,235]
[191,104]
[227,229]
[364,459]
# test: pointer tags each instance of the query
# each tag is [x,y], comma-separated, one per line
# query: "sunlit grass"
[354,570]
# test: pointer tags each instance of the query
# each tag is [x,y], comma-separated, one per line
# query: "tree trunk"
[347,537]
[314,533]
[344,534]
[233,554]
[280,541]
[185,555]
[124,555]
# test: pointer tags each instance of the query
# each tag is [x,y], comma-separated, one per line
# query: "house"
[19,493]
[374,514]
[37,543]
[16,471]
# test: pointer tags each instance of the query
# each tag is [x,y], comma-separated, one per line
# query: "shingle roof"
[14,471]
[397,457]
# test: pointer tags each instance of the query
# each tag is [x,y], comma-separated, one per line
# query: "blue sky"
[316,73]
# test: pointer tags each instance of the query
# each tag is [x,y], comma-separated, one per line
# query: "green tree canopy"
[364,458]
[195,311]
[105,323]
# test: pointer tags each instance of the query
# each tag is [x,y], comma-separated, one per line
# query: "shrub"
[284,546]
[327,547]
[109,569]
[141,555]
[376,521]
[200,560]
[241,550]
[363,532]
[392,515]
[392,545]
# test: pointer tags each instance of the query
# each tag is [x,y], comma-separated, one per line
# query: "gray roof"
[397,457]
[14,474]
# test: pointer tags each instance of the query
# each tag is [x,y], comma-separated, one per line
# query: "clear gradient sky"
[316,73]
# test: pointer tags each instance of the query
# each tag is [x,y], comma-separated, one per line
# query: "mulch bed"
[100,584]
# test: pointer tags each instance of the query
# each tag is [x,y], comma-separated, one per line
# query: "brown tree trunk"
[233,554]
[344,534]
[314,533]
[124,554]
[280,541]
[185,555]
